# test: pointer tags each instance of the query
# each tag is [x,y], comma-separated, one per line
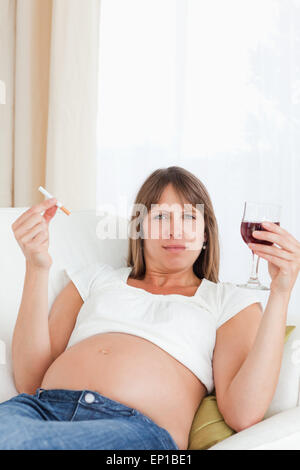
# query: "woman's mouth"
[174,248]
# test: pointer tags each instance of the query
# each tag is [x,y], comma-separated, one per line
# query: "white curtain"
[49,63]
[211,86]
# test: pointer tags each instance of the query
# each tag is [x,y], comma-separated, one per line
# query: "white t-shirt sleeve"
[84,278]
[233,299]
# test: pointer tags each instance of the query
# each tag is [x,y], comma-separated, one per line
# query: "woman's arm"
[31,348]
[252,388]
[31,352]
[250,391]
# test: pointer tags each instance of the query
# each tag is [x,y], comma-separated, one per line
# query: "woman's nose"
[176,228]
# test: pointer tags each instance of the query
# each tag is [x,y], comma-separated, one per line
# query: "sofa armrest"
[280,431]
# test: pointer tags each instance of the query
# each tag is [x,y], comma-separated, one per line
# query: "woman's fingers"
[36,209]
[283,260]
[50,213]
[278,235]
[271,251]
[280,263]
[32,234]
[40,227]
[286,258]
[39,239]
[271,226]
[273,238]
[28,224]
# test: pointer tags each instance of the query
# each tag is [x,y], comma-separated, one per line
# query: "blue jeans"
[76,419]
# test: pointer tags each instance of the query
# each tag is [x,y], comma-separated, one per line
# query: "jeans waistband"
[92,399]
[81,396]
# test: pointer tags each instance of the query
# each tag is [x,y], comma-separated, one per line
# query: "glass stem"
[254,269]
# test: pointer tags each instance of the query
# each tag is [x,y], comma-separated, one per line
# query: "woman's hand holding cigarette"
[32,234]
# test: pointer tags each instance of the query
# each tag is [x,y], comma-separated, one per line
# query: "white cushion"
[287,391]
[281,431]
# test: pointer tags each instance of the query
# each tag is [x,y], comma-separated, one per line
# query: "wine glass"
[254,214]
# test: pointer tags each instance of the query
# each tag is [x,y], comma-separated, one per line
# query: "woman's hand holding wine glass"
[284,260]
[260,230]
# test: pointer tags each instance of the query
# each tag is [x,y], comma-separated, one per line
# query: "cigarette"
[49,196]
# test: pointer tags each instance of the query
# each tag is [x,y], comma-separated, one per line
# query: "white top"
[185,327]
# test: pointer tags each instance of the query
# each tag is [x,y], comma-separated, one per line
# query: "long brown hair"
[192,189]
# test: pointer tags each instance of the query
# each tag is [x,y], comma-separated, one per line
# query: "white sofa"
[73,243]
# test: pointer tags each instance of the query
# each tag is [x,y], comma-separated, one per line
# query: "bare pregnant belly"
[135,372]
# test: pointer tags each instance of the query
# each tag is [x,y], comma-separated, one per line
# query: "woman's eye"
[159,216]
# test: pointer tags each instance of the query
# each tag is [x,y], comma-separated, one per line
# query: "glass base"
[253,285]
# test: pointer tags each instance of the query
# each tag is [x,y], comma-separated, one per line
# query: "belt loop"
[40,390]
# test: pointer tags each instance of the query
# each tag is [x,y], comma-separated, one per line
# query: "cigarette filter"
[49,196]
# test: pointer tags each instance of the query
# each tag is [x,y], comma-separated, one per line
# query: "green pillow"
[208,426]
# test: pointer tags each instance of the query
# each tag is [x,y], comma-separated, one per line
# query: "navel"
[104,351]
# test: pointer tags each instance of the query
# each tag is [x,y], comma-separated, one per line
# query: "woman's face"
[170,222]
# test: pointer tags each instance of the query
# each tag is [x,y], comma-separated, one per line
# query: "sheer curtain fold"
[51,70]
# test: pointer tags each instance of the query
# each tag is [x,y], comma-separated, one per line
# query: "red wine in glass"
[255,213]
[246,231]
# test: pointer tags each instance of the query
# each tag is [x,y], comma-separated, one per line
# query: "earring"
[204,246]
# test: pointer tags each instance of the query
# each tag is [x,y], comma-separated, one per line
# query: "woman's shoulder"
[104,271]
[91,275]
[225,291]
[90,269]
[224,299]
[221,287]
[232,298]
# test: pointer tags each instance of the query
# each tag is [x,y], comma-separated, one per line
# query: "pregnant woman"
[125,356]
